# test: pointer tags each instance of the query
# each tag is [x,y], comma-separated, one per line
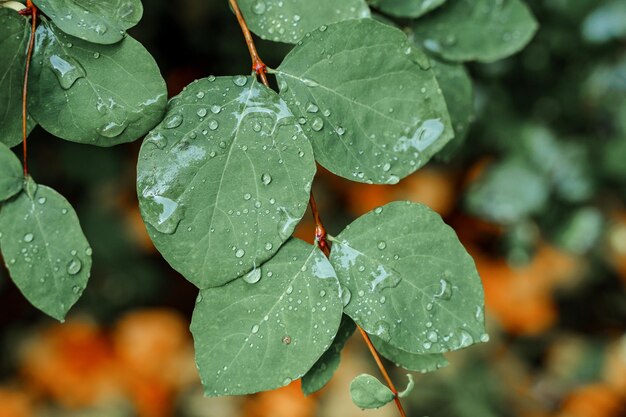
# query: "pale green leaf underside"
[100,21]
[409,361]
[224,179]
[412,282]
[476,30]
[11,176]
[44,249]
[406,8]
[368,101]
[321,373]
[256,337]
[289,20]
[367,392]
[14,34]
[100,95]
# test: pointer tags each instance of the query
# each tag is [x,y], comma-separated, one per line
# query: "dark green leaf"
[288,21]
[95,94]
[321,373]
[14,34]
[224,179]
[11,175]
[252,336]
[476,30]
[368,101]
[44,248]
[368,392]
[406,8]
[100,21]
[409,361]
[412,282]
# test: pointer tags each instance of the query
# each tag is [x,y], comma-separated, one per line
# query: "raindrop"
[215,109]
[259,7]
[200,94]
[317,124]
[253,276]
[312,108]
[266,179]
[268,246]
[239,253]
[445,290]
[28,237]
[202,112]
[173,121]
[240,80]
[74,266]
[286,340]
[214,124]
[67,70]
[255,328]
[382,245]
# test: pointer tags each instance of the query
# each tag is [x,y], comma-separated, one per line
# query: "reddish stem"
[320,230]
[31,10]
[258,66]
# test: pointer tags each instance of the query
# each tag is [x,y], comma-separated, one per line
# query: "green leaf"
[101,21]
[289,21]
[412,282]
[476,30]
[14,35]
[369,101]
[508,192]
[406,8]
[409,361]
[44,249]
[256,336]
[11,174]
[606,23]
[101,95]
[224,179]
[321,373]
[456,86]
[368,392]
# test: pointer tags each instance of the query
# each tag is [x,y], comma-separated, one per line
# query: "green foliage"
[368,392]
[410,361]
[102,21]
[476,30]
[378,119]
[11,174]
[224,179]
[289,21]
[45,251]
[267,329]
[406,8]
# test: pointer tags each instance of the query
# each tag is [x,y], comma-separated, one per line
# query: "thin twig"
[320,231]
[32,10]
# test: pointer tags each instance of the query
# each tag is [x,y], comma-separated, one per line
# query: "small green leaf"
[476,30]
[14,35]
[44,249]
[252,336]
[224,179]
[101,95]
[289,21]
[412,282]
[321,373]
[11,174]
[406,8]
[101,21]
[409,361]
[368,392]
[409,387]
[368,101]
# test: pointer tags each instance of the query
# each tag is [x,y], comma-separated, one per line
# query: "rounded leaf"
[11,174]
[476,30]
[410,361]
[261,334]
[288,21]
[412,282]
[100,95]
[368,101]
[44,249]
[101,21]
[406,8]
[224,179]
[367,392]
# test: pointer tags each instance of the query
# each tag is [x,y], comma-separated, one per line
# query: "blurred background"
[536,192]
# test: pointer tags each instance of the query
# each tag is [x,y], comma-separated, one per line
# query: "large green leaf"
[44,248]
[261,334]
[369,101]
[100,21]
[289,20]
[406,8]
[96,94]
[412,282]
[11,176]
[410,361]
[367,392]
[14,34]
[224,179]
[323,370]
[476,30]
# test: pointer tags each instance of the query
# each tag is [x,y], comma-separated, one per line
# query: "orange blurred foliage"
[15,403]
[597,400]
[288,401]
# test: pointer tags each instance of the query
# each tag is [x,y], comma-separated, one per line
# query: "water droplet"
[42,200]
[253,276]
[215,109]
[382,245]
[268,246]
[346,295]
[317,124]
[340,130]
[286,340]
[432,336]
[100,29]
[75,289]
[240,80]
[28,237]
[312,108]
[67,70]
[200,94]
[112,129]
[382,330]
[387,167]
[239,253]
[445,290]
[157,139]
[266,179]
[173,121]
[378,210]
[214,124]
[323,28]
[289,289]
[247,196]
[202,112]
[259,7]
[74,266]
